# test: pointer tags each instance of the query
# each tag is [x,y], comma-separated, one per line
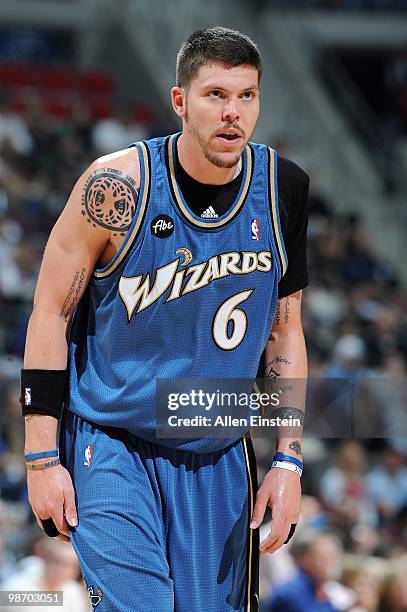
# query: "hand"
[281,491]
[51,495]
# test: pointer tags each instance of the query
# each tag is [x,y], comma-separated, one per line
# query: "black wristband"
[43,392]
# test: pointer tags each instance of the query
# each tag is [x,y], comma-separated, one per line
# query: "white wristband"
[286,465]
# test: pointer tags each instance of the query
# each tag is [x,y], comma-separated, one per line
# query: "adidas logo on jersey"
[209,213]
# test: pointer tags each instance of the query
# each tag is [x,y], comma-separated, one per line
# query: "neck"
[194,162]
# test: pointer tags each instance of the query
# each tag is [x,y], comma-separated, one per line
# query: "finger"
[57,515]
[63,527]
[269,541]
[70,507]
[277,532]
[259,509]
[63,538]
[282,535]
[274,547]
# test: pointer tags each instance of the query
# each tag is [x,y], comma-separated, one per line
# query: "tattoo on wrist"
[289,412]
[72,297]
[109,185]
[296,447]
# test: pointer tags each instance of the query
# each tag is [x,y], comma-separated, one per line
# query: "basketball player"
[159,247]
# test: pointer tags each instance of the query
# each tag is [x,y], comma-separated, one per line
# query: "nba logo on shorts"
[255,229]
[94,599]
[88,455]
[27,396]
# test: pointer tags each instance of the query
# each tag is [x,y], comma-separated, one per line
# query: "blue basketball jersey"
[184,297]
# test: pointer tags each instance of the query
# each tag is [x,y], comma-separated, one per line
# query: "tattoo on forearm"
[280,359]
[271,374]
[286,310]
[287,389]
[289,412]
[296,447]
[109,184]
[71,299]
[278,313]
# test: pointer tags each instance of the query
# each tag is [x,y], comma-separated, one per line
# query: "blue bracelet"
[282,457]
[42,455]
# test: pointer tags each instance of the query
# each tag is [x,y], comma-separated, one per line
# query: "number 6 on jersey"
[228,312]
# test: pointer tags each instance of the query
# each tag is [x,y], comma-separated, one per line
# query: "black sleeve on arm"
[293,185]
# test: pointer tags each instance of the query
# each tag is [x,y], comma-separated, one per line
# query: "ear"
[178,99]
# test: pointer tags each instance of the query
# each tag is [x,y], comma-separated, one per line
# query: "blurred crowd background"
[396,5]
[350,549]
[372,5]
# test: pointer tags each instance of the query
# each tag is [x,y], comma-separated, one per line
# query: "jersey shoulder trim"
[275,217]
[139,215]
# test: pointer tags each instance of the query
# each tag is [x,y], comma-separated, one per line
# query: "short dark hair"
[216,44]
[305,538]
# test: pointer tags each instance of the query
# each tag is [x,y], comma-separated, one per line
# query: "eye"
[248,95]
[215,93]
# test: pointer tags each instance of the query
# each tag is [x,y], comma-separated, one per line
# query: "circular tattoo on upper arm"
[117,190]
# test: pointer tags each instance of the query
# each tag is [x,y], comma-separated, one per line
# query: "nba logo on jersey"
[27,396]
[255,229]
[88,455]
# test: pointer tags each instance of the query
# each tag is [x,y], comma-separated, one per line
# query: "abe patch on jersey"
[162,226]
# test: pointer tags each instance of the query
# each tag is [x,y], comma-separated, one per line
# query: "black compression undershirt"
[293,185]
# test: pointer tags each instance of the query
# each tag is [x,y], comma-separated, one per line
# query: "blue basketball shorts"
[161,530]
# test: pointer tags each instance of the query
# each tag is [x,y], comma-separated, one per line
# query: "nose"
[230,111]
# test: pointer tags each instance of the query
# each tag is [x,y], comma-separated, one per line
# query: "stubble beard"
[214,158]
[217,160]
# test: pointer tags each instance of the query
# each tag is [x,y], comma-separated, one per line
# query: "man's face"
[322,562]
[221,110]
